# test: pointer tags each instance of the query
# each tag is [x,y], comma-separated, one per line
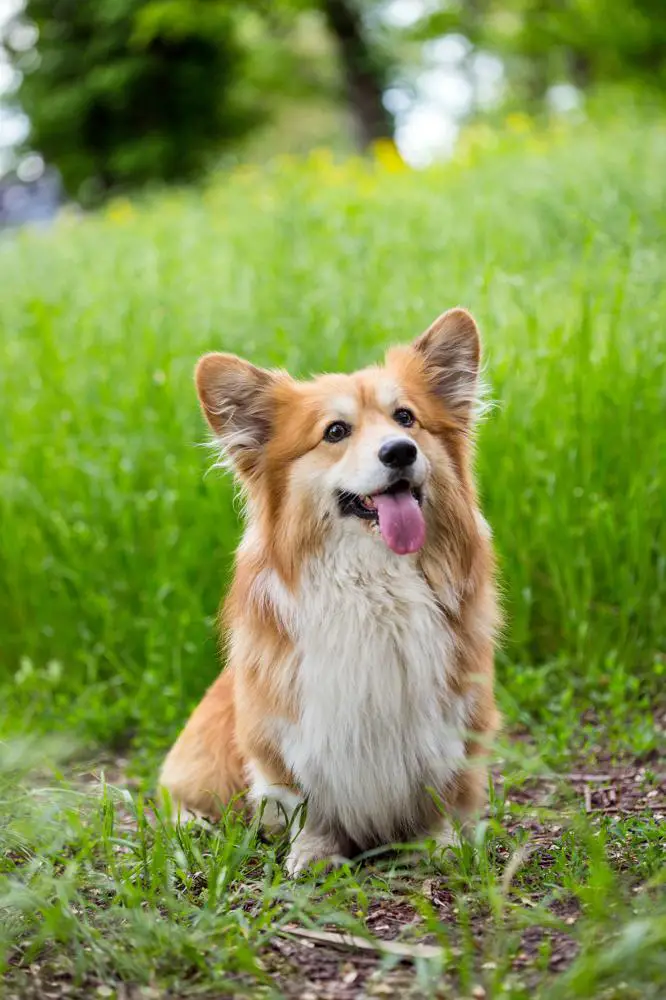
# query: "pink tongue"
[400,521]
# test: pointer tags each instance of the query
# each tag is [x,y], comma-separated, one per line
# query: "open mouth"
[366,507]
[396,511]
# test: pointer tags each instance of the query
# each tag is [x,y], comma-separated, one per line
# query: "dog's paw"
[309,848]
[446,836]
[180,816]
[440,839]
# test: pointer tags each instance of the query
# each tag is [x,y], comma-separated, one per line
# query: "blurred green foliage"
[126,91]
[544,42]
[123,92]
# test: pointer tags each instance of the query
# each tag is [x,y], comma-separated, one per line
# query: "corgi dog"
[361,622]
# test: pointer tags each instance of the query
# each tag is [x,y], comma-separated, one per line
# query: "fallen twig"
[646,806]
[340,939]
[587,794]
[596,778]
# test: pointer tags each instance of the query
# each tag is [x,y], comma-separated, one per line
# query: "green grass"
[115,547]
[100,890]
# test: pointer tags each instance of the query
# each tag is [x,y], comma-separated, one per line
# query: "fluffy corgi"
[361,621]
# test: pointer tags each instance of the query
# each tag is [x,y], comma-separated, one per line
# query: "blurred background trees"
[120,93]
[544,42]
[123,92]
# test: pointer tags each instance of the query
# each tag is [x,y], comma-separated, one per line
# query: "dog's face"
[372,450]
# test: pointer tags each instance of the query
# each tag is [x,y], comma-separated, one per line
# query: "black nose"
[398,453]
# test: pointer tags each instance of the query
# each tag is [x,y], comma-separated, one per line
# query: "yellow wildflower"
[518,122]
[120,211]
[320,158]
[387,156]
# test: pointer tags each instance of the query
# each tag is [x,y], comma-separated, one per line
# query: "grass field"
[115,548]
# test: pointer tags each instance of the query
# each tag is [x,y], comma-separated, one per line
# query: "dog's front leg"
[311,845]
[280,806]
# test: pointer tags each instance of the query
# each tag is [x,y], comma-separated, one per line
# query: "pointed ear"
[451,350]
[237,401]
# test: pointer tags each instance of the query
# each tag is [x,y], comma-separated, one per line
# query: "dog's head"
[380,450]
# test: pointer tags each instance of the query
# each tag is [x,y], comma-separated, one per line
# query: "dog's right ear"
[237,401]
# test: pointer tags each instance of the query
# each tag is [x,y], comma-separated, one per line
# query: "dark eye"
[337,431]
[404,417]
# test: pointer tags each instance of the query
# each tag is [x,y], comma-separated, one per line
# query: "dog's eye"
[337,431]
[404,417]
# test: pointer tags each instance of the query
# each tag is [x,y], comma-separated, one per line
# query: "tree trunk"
[580,68]
[363,75]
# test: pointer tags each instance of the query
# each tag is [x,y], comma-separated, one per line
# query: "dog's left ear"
[451,349]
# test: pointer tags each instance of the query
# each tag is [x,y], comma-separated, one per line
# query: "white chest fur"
[378,726]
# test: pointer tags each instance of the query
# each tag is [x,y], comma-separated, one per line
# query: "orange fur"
[204,769]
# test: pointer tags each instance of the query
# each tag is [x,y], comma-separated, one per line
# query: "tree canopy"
[123,92]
